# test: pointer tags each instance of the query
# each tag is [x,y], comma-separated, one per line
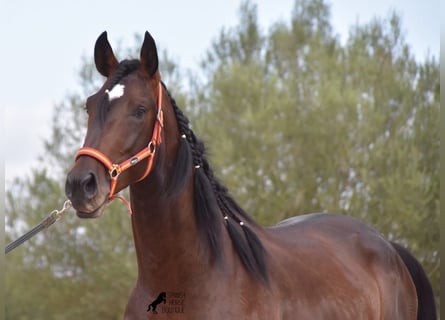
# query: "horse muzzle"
[86,190]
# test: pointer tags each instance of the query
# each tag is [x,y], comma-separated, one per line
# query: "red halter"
[114,170]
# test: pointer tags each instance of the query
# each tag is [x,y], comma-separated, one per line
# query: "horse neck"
[164,228]
[158,227]
[168,247]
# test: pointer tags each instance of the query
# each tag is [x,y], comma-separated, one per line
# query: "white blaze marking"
[116,92]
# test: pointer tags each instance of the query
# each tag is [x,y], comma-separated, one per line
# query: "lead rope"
[53,217]
[125,201]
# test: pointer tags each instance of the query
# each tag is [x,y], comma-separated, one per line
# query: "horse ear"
[104,57]
[149,55]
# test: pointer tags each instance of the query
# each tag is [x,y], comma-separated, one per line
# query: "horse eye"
[140,112]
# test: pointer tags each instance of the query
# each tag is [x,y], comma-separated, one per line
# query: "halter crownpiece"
[115,169]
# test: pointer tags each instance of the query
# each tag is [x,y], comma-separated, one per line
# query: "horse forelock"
[124,68]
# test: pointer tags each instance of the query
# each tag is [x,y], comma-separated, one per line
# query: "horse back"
[329,266]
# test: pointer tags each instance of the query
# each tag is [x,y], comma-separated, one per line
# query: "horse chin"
[91,214]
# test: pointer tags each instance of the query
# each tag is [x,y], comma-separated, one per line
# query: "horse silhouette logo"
[162,297]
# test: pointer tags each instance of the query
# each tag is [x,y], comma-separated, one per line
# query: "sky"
[43,43]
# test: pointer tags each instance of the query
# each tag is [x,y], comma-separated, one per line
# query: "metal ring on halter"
[152,147]
[114,172]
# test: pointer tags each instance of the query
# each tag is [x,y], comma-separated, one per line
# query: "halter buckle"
[115,171]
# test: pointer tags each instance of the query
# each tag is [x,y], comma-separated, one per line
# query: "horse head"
[124,128]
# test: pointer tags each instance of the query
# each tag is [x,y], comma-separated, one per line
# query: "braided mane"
[214,205]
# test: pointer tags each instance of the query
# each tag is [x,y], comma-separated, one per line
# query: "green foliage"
[295,121]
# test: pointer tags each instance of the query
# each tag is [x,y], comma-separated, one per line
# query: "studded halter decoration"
[115,169]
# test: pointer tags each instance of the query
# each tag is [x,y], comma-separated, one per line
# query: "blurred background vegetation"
[296,122]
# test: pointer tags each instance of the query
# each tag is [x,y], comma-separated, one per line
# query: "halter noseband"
[114,170]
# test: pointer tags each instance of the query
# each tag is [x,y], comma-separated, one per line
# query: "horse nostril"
[69,187]
[89,185]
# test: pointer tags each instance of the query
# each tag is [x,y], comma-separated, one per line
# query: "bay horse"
[191,236]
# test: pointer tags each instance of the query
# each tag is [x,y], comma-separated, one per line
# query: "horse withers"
[191,237]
